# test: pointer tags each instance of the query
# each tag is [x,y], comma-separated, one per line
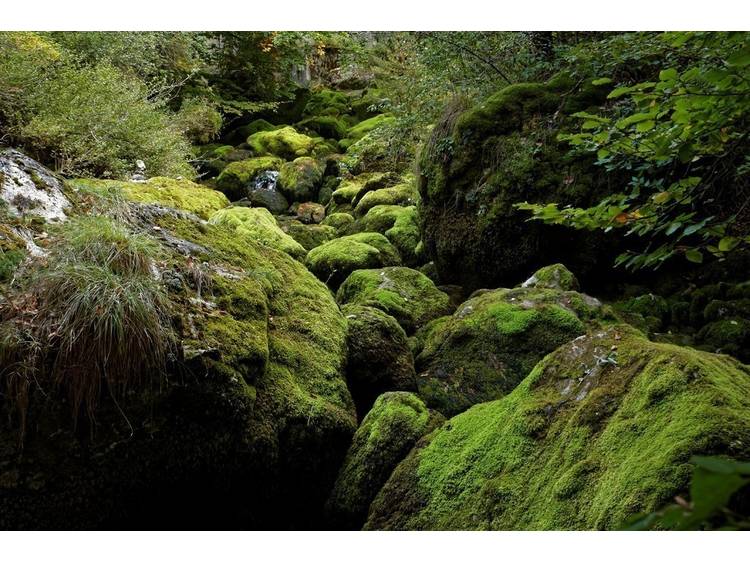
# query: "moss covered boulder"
[492,342]
[179,194]
[237,178]
[399,224]
[339,221]
[403,193]
[602,429]
[259,225]
[252,405]
[326,126]
[404,293]
[284,142]
[555,276]
[379,356]
[482,160]
[387,434]
[352,189]
[308,235]
[300,179]
[333,261]
[368,125]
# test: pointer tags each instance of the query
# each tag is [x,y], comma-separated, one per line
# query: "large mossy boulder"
[237,178]
[602,429]
[484,159]
[258,224]
[284,142]
[333,261]
[300,179]
[352,189]
[326,126]
[379,356]
[247,428]
[387,434]
[406,294]
[180,194]
[493,341]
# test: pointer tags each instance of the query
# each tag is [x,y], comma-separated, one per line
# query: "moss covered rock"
[602,429]
[308,235]
[368,125]
[404,194]
[729,335]
[379,356]
[339,221]
[179,194]
[399,224]
[327,102]
[254,407]
[300,179]
[326,126]
[484,159]
[492,342]
[258,224]
[388,432]
[284,142]
[404,293]
[236,178]
[555,276]
[335,260]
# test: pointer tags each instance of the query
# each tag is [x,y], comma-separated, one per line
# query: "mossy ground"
[602,429]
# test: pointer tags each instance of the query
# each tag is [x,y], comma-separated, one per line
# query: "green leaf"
[669,74]
[740,58]
[728,243]
[694,255]
[644,126]
[601,81]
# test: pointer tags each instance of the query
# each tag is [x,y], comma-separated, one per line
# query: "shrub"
[199,120]
[99,121]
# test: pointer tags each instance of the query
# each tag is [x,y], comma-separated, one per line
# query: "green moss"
[339,221]
[404,293]
[259,225]
[555,276]
[285,143]
[362,128]
[335,260]
[492,342]
[9,261]
[343,197]
[300,179]
[326,126]
[388,432]
[178,194]
[583,443]
[730,335]
[404,194]
[648,312]
[308,235]
[399,224]
[236,177]
[327,102]
[379,357]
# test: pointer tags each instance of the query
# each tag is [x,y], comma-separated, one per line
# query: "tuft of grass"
[102,241]
[94,321]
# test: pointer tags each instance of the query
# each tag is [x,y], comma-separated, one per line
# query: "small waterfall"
[265,180]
